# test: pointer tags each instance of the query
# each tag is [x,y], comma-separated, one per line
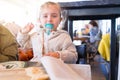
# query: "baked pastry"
[37,73]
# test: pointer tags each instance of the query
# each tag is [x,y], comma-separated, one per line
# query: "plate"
[13,64]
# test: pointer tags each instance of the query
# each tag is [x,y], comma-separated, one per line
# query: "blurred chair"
[92,51]
[82,55]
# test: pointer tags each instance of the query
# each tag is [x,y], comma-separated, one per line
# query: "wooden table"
[19,74]
[82,38]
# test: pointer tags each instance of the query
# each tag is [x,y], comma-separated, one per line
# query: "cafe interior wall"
[23,11]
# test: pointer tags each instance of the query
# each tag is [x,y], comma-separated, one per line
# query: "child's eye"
[45,16]
[54,16]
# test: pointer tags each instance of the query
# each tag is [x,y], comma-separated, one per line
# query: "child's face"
[50,14]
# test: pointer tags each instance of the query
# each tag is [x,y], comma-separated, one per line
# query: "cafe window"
[79,25]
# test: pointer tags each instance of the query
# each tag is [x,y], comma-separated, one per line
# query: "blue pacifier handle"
[48,25]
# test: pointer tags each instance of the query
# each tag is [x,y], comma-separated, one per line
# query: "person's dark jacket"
[8,45]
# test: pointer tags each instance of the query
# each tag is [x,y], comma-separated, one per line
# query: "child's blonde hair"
[47,4]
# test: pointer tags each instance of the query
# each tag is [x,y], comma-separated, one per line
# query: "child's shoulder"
[63,31]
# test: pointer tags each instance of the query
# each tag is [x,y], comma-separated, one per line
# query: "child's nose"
[49,19]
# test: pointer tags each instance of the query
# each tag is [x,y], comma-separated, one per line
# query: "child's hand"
[27,28]
[53,54]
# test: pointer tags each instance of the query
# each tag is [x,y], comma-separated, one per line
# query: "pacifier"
[49,28]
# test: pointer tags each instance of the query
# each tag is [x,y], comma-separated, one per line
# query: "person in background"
[93,30]
[13,28]
[87,29]
[47,40]
[75,33]
[104,47]
[8,45]
[93,42]
[95,33]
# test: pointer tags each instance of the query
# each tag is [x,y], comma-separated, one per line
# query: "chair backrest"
[92,47]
